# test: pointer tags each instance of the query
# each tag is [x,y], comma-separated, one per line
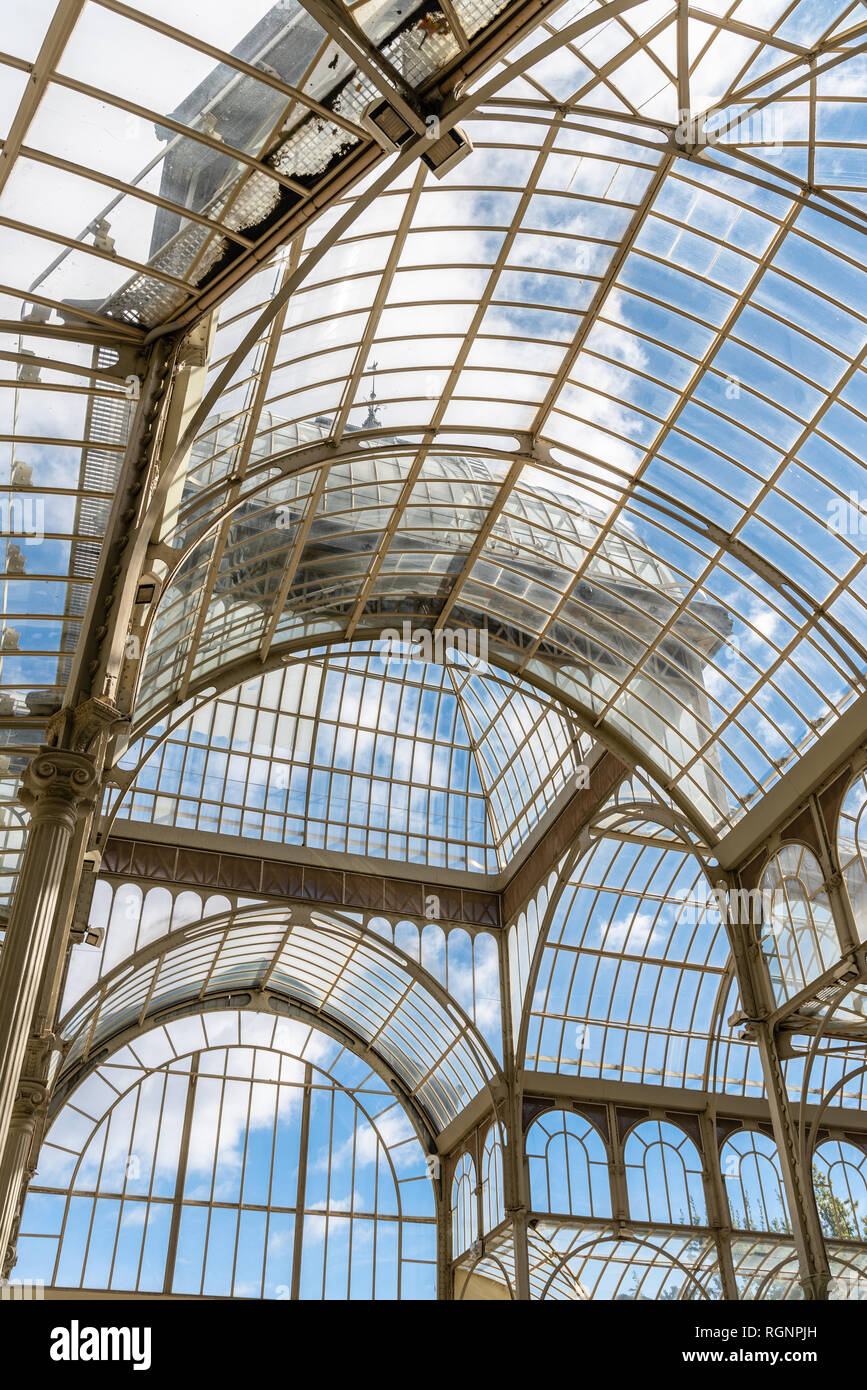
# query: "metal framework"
[433,649]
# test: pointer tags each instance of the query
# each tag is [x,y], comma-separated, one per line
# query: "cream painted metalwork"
[615,324]
[433,507]
[328,967]
[367,752]
[189,1177]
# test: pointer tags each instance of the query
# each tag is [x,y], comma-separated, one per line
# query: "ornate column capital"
[32,1097]
[57,783]
[78,729]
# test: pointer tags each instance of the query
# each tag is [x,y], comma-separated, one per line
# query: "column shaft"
[757,1003]
[57,785]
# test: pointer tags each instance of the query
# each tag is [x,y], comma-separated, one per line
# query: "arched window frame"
[574,1150]
[649,1202]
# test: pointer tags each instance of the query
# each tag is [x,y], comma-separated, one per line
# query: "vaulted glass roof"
[629,984]
[504,404]
[128,187]
[597,389]
[366,750]
[345,1210]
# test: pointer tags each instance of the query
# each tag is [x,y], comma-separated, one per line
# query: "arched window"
[231,1154]
[800,939]
[840,1184]
[493,1208]
[754,1183]
[852,849]
[568,1166]
[663,1175]
[465,1225]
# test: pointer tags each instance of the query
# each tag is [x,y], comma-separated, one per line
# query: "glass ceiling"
[304,1175]
[588,408]
[600,400]
[366,752]
[629,982]
[66,416]
[597,391]
[332,968]
[131,183]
